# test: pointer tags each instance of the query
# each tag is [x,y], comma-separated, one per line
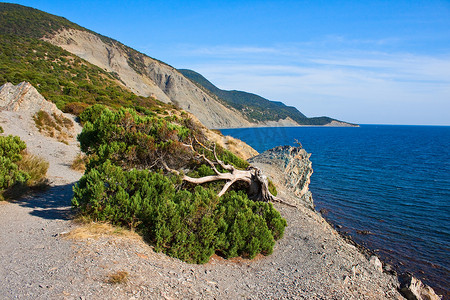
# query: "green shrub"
[91,113]
[123,184]
[129,139]
[249,227]
[188,225]
[10,153]
[1,129]
[11,147]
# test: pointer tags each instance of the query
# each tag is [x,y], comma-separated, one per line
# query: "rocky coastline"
[311,261]
[294,164]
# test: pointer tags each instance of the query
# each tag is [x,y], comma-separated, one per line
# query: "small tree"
[149,142]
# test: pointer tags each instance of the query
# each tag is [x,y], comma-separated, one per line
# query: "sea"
[386,186]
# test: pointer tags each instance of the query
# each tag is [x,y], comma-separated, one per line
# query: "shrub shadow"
[53,204]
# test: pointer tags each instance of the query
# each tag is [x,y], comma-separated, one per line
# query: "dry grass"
[55,126]
[95,230]
[75,108]
[118,277]
[63,121]
[79,163]
[36,167]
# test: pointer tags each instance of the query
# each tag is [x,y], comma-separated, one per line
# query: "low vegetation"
[36,167]
[79,163]
[26,21]
[18,169]
[88,229]
[10,153]
[54,125]
[61,77]
[128,182]
[272,188]
[118,277]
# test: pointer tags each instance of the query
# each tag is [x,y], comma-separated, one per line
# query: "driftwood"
[258,186]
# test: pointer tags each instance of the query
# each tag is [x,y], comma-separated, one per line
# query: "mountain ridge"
[255,107]
[149,77]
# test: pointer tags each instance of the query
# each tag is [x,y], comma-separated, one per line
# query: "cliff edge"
[296,169]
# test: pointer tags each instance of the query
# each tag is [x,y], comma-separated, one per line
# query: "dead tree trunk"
[258,186]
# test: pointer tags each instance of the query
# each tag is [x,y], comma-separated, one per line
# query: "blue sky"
[368,62]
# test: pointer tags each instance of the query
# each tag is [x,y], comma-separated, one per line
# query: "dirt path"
[37,261]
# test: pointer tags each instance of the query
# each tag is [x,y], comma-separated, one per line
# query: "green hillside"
[254,107]
[25,21]
[58,75]
[28,22]
[143,167]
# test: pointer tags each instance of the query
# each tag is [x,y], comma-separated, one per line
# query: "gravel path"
[37,261]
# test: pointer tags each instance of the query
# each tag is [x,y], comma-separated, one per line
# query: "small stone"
[363,232]
[346,279]
[353,271]
[375,261]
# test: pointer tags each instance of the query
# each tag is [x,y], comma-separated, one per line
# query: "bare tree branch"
[258,187]
[221,163]
[226,187]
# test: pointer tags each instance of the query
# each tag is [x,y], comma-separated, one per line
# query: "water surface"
[393,181]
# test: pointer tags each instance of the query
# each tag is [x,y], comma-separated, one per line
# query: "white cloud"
[363,86]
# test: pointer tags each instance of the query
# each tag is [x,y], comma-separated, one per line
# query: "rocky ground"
[39,261]
[43,255]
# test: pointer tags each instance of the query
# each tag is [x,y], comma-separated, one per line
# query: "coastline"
[407,283]
[289,126]
[312,261]
[390,265]
[366,186]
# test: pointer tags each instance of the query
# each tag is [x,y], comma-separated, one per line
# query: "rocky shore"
[290,168]
[45,255]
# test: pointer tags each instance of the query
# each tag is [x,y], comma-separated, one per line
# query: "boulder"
[296,168]
[414,289]
[24,97]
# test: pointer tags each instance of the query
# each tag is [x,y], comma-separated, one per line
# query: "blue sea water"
[393,181]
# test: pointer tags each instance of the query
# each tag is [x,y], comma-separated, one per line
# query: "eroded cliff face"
[149,77]
[288,167]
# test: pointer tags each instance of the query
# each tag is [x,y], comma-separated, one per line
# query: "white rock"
[375,261]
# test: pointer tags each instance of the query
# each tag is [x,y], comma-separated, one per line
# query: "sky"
[365,62]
